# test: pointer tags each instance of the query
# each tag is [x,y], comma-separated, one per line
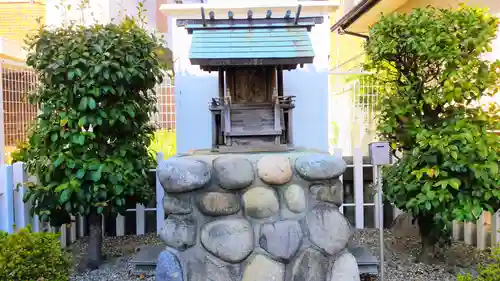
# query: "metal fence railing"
[16,82]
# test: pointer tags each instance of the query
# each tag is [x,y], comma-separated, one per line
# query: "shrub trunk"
[94,254]
[427,229]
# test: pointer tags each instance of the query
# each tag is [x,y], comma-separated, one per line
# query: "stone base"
[146,259]
[254,217]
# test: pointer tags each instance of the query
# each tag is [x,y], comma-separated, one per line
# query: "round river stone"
[328,229]
[295,198]
[233,172]
[181,174]
[179,232]
[274,169]
[331,192]
[281,239]
[231,240]
[260,202]
[310,265]
[345,268]
[316,167]
[261,268]
[176,206]
[168,266]
[219,204]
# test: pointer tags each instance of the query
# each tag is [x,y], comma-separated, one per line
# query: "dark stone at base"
[147,256]
[169,267]
[367,262]
[208,268]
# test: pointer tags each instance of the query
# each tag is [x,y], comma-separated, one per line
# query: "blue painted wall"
[194,89]
[310,115]
[193,120]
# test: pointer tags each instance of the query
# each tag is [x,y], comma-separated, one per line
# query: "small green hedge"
[33,256]
[490,272]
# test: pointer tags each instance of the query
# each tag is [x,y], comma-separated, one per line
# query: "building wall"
[16,83]
[194,89]
[345,47]
[493,5]
[19,18]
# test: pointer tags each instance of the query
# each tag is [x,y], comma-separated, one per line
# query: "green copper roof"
[271,45]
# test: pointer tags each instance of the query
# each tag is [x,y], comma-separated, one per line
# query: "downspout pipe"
[342,32]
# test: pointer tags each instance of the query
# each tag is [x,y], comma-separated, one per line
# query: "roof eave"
[192,24]
[354,14]
[224,62]
[309,8]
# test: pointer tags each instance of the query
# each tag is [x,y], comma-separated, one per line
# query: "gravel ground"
[118,252]
[400,257]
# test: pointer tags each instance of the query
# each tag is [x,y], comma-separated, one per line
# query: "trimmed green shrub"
[32,256]
[89,146]
[490,272]
[434,79]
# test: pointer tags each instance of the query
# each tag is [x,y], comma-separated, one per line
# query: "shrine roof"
[238,42]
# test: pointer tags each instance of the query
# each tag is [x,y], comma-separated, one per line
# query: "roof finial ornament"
[203,16]
[297,14]
[269,13]
[212,15]
[230,15]
[288,14]
[250,14]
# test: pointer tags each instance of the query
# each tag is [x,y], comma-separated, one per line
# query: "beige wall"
[19,18]
[493,5]
[345,47]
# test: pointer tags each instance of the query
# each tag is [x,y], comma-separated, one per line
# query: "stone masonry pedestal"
[254,217]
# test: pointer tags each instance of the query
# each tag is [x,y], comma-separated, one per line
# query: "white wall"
[494,55]
[55,16]
[102,11]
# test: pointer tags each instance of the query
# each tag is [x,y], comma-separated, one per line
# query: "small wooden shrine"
[251,111]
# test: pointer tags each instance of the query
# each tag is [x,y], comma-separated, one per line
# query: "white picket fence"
[14,213]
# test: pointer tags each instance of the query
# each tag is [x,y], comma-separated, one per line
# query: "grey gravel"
[117,270]
[400,255]
[118,252]
[400,258]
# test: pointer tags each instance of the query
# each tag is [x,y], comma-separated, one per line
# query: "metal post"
[380,222]
[380,155]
